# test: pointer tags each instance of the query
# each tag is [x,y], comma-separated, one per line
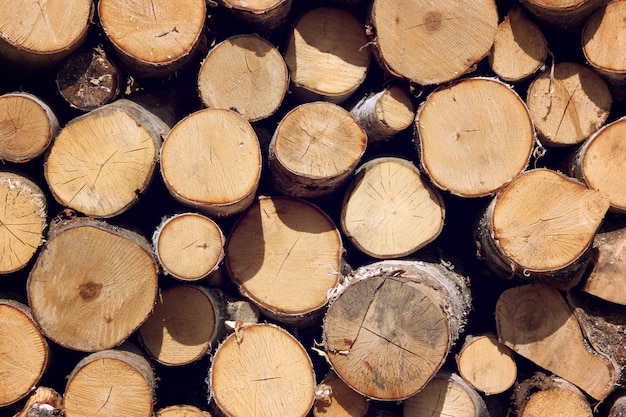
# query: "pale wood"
[543,395]
[327,55]
[468,145]
[184,326]
[390,210]
[540,227]
[535,321]
[153,37]
[519,48]
[487,364]
[315,149]
[334,398]
[289,267]
[563,15]
[188,246]
[432,42]
[27,127]
[208,167]
[111,382]
[384,113]
[182,411]
[22,220]
[605,279]
[43,402]
[110,292]
[264,371]
[24,352]
[601,37]
[245,73]
[391,353]
[40,34]
[101,161]
[88,79]
[262,15]
[600,163]
[447,394]
[568,102]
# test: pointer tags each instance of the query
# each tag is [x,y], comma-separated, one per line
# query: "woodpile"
[330,208]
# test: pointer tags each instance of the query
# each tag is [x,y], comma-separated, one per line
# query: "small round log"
[550,395]
[563,15]
[182,411]
[263,15]
[333,398]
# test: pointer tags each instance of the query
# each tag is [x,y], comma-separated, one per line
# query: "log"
[391,354]
[326,55]
[197,158]
[599,162]
[315,149]
[24,351]
[412,39]
[447,394]
[486,364]
[43,402]
[618,407]
[153,38]
[262,370]
[519,48]
[244,73]
[27,127]
[22,220]
[383,114]
[109,293]
[563,15]
[182,411]
[188,246]
[468,146]
[390,210]
[261,15]
[186,323]
[39,35]
[568,102]
[536,322]
[334,398]
[540,227]
[550,395]
[101,161]
[111,382]
[89,79]
[285,254]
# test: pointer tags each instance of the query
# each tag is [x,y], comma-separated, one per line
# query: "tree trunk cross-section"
[264,15]
[543,395]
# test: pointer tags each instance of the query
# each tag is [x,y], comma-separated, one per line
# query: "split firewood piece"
[92,285]
[568,102]
[182,411]
[153,37]
[211,160]
[390,210]
[601,37]
[27,127]
[43,402]
[42,34]
[487,364]
[111,382]
[600,163]
[185,324]
[264,371]
[536,322]
[101,161]
[447,394]
[540,228]
[334,398]
[543,395]
[189,246]
[519,49]
[23,351]
[467,145]
[563,15]
[22,220]
[244,73]
[315,149]
[89,79]
[285,254]
[327,55]
[263,15]
[412,40]
[367,343]
[384,113]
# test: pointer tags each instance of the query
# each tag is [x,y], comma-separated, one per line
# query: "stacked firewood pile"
[323,208]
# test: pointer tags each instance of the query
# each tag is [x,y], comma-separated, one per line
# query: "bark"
[43,402]
[333,398]
[550,395]
[567,16]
